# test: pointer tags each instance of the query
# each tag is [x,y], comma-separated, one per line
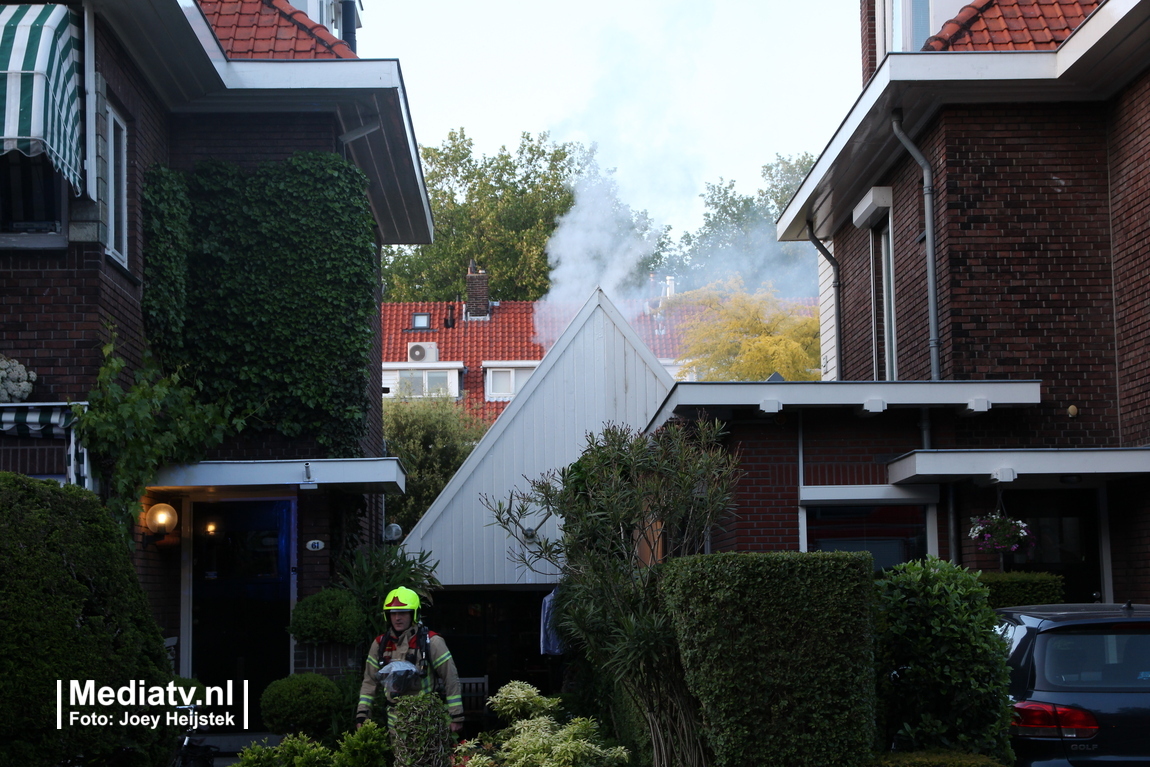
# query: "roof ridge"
[960,24]
[321,33]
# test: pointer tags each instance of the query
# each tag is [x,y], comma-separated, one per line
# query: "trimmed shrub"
[1013,589]
[301,703]
[942,674]
[331,615]
[368,746]
[934,759]
[777,648]
[422,737]
[71,608]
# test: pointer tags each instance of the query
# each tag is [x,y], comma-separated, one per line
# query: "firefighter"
[413,659]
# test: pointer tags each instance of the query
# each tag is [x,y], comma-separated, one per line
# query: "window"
[424,383]
[882,299]
[420,321]
[116,187]
[435,379]
[893,534]
[505,383]
[33,201]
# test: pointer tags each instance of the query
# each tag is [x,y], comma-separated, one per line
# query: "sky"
[673,93]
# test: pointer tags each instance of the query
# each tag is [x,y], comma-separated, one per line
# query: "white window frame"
[873,495]
[393,370]
[116,186]
[490,367]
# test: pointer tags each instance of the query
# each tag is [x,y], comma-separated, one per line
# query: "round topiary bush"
[303,703]
[71,609]
[332,615]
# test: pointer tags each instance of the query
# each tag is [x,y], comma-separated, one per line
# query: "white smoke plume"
[596,244]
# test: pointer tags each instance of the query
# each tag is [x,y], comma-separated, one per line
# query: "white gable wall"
[598,372]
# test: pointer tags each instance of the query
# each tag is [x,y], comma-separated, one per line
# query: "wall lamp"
[160,520]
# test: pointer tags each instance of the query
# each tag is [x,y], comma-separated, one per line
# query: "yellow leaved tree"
[731,334]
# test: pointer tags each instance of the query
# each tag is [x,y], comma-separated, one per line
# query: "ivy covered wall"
[263,285]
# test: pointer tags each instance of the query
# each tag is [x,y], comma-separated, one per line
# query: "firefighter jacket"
[387,648]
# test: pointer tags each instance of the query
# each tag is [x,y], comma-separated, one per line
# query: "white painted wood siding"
[829,352]
[598,372]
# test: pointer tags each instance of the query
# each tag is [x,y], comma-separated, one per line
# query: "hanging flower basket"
[1000,534]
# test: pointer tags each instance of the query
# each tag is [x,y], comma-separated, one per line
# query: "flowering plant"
[1000,533]
[15,380]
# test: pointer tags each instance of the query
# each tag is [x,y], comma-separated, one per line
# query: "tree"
[499,211]
[737,237]
[431,436]
[783,178]
[730,334]
[629,502]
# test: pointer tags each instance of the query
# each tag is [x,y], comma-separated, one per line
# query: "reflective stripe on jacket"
[399,648]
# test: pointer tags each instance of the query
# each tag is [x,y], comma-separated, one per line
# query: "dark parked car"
[1080,684]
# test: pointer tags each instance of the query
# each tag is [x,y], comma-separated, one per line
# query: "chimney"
[478,304]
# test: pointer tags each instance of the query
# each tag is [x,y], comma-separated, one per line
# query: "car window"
[1110,659]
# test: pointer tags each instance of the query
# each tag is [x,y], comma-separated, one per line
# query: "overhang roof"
[868,397]
[1017,466]
[1105,53]
[177,51]
[358,475]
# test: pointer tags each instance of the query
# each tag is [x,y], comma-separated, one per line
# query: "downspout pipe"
[347,23]
[835,288]
[928,204]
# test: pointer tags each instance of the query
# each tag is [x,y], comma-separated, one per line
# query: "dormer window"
[503,380]
[421,321]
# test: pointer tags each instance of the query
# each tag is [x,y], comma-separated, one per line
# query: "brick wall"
[1130,198]
[248,139]
[767,499]
[870,60]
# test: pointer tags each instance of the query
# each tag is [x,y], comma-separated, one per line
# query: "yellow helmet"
[401,598]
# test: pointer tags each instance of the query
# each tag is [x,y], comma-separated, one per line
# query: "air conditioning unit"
[423,352]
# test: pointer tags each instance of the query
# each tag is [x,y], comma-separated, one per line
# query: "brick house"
[984,320]
[135,83]
[483,352]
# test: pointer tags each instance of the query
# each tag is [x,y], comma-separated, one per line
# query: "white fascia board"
[1008,465]
[374,473]
[203,32]
[899,70]
[873,396]
[510,363]
[321,74]
[422,366]
[849,495]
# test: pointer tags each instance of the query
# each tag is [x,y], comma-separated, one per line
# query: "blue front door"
[241,597]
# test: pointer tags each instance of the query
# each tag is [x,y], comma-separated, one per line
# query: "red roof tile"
[1011,25]
[270,29]
[510,334]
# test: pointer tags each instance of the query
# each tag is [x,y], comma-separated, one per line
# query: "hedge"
[934,759]
[778,649]
[301,703]
[941,665]
[1016,588]
[71,608]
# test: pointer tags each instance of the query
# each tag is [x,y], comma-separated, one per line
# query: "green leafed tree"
[731,334]
[631,501]
[431,436]
[498,210]
[737,237]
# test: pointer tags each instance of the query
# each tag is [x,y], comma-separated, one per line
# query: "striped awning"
[44,421]
[40,85]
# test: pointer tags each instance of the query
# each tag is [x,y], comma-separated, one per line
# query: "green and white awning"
[40,85]
[44,421]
